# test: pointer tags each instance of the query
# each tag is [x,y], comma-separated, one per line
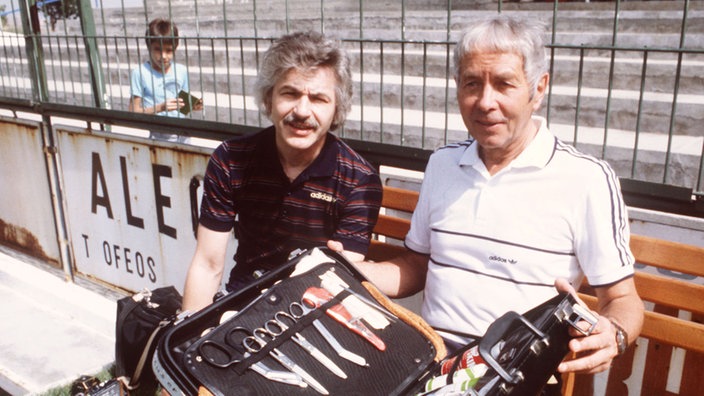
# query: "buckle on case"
[575,313]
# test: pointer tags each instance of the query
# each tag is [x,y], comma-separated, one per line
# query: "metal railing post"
[33,46]
[35,59]
[97,80]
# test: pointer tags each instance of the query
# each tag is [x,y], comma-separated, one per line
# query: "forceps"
[258,340]
[276,327]
[220,356]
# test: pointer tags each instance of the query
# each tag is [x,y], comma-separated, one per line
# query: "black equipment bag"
[141,320]
[183,359]
[523,351]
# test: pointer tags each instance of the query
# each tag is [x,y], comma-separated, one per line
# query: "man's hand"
[336,246]
[593,353]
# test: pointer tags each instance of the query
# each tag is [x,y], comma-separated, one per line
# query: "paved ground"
[51,331]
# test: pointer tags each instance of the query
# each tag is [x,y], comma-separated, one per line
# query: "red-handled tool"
[317,296]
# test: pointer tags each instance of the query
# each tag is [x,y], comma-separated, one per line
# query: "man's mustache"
[302,123]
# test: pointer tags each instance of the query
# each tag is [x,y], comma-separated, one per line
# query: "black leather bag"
[141,320]
[522,351]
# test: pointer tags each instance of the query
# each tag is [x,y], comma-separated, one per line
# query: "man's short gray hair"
[502,33]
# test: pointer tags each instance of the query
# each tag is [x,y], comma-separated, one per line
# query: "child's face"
[161,53]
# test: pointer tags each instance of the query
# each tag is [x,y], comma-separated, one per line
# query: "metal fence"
[626,76]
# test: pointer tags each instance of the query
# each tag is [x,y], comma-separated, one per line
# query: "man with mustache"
[292,185]
[512,214]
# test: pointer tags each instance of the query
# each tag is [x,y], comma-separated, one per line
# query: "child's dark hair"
[162,29]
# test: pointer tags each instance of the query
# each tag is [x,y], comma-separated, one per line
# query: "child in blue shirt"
[156,83]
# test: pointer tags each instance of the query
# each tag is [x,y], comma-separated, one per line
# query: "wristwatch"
[621,338]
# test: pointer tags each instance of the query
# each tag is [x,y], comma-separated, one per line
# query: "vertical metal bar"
[553,35]
[403,20]
[254,19]
[73,98]
[700,177]
[611,77]
[643,75]
[195,5]
[187,62]
[381,92]
[80,94]
[200,70]
[53,66]
[5,72]
[578,107]
[97,80]
[33,46]
[146,16]
[361,90]
[322,17]
[53,169]
[256,58]
[244,86]
[127,50]
[109,62]
[18,65]
[124,19]
[119,71]
[403,94]
[675,92]
[361,19]
[35,53]
[447,71]
[402,137]
[215,78]
[424,106]
[227,61]
[288,18]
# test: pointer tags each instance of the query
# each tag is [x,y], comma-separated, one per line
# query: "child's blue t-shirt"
[155,87]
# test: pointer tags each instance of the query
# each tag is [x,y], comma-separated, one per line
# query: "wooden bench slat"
[671,292]
[668,255]
[666,329]
[393,227]
[399,199]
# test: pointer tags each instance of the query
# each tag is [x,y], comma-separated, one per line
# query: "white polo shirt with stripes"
[497,243]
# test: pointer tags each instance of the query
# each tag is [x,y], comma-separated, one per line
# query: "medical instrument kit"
[316,326]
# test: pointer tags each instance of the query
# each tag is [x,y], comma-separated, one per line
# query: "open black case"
[204,353]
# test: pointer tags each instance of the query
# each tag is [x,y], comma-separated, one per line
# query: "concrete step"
[431,93]
[383,20]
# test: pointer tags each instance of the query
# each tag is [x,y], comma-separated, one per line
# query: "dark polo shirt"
[337,197]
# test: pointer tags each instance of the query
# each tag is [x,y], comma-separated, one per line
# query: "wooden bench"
[672,339]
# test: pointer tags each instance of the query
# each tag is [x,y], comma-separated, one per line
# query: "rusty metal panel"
[132,206]
[26,212]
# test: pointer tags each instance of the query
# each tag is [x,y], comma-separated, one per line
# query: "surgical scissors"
[258,340]
[277,326]
[220,356]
